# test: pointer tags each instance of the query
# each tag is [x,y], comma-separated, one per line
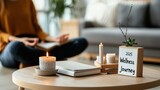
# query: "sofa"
[147,35]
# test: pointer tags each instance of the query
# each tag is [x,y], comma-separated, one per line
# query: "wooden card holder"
[108,68]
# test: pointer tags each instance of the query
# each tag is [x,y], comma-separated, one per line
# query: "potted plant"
[58,7]
[130,56]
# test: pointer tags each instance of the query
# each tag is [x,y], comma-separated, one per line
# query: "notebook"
[72,68]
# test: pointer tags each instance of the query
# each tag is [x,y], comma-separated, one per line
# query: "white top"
[27,78]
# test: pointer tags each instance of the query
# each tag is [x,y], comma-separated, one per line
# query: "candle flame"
[101,44]
[47,54]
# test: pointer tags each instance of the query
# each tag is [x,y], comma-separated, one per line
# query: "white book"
[47,46]
[72,68]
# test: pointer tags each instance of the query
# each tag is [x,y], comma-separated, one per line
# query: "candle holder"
[106,63]
[111,68]
[46,65]
[44,73]
[109,65]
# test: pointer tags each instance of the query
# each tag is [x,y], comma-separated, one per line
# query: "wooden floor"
[151,59]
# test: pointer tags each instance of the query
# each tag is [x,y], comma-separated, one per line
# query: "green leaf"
[59,6]
[130,42]
[134,40]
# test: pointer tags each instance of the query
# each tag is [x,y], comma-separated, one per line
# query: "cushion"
[155,12]
[138,16]
[103,12]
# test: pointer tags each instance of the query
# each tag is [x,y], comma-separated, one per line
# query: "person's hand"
[62,38]
[29,41]
[26,40]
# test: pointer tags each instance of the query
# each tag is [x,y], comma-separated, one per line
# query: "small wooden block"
[110,71]
[114,65]
[107,68]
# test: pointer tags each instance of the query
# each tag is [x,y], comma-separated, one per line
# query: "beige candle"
[110,57]
[47,63]
[101,53]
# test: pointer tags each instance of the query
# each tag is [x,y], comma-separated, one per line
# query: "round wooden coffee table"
[27,78]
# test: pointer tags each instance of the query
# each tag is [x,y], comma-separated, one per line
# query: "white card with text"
[128,61]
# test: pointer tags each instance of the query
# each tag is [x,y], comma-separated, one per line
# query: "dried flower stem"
[125,34]
[128,20]
[125,37]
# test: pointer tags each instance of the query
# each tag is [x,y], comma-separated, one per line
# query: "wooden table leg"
[20,88]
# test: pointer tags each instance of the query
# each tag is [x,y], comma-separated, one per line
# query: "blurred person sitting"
[20,32]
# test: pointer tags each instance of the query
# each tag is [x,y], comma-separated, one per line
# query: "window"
[45,16]
[42,8]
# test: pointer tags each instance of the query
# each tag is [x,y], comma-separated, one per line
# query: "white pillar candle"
[101,53]
[110,57]
[47,63]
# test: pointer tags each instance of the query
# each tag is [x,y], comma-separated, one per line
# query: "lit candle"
[47,63]
[110,57]
[101,53]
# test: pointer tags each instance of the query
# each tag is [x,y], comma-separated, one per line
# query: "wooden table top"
[27,78]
